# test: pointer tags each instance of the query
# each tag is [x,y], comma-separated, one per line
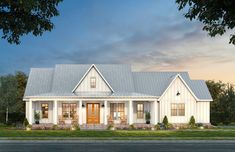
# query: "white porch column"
[30,112]
[130,112]
[55,112]
[80,112]
[155,110]
[105,112]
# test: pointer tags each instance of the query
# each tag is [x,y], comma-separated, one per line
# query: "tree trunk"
[7,115]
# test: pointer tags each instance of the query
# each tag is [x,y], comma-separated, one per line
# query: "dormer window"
[93,82]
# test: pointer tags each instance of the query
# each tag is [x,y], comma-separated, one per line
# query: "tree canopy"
[21,17]
[222,109]
[218,16]
[12,89]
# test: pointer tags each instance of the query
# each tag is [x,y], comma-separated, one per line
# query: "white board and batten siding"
[203,112]
[200,110]
[101,85]
[37,106]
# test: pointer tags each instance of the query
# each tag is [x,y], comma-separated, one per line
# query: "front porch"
[90,111]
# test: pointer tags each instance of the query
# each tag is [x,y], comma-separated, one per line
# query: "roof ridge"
[159,72]
[42,68]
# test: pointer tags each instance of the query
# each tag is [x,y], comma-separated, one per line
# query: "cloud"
[175,46]
[151,39]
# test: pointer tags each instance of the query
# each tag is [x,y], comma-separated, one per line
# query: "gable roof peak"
[89,69]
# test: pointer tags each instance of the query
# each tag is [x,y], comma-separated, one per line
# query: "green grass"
[213,133]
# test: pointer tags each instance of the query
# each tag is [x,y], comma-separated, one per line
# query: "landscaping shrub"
[13,119]
[55,127]
[170,126]
[199,124]
[75,127]
[132,127]
[165,122]
[109,127]
[192,123]
[25,123]
[157,127]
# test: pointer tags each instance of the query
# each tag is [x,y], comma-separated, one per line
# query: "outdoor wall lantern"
[178,93]
[102,105]
[83,105]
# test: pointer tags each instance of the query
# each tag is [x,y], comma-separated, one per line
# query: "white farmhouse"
[112,93]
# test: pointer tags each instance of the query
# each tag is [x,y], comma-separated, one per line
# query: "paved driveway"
[116,146]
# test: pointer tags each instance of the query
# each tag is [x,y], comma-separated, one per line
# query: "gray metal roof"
[61,80]
[155,83]
[39,81]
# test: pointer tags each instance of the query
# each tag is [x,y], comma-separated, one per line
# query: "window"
[177,109]
[93,82]
[69,110]
[140,110]
[117,110]
[45,110]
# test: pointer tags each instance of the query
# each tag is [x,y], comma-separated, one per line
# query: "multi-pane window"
[69,110]
[44,110]
[117,110]
[93,82]
[140,110]
[177,109]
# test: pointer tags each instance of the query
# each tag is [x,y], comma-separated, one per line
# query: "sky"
[151,35]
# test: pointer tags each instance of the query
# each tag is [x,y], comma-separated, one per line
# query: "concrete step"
[93,127]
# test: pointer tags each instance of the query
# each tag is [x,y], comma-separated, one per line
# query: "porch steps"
[93,127]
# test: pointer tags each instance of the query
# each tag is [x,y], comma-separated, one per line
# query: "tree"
[216,90]
[21,79]
[218,16]
[223,105]
[21,17]
[12,89]
[227,105]
[8,94]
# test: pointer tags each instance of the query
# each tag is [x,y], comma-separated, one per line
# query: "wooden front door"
[93,113]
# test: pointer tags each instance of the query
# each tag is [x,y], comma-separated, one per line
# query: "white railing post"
[155,110]
[55,112]
[30,112]
[130,112]
[105,112]
[80,112]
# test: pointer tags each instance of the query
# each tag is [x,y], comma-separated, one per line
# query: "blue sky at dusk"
[151,35]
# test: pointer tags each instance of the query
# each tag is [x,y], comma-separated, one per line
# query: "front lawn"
[11,132]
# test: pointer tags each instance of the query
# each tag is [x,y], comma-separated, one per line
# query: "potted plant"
[36,117]
[147,117]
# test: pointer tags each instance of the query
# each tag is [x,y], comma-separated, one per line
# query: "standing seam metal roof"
[61,80]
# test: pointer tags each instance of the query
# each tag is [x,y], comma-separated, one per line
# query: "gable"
[178,85]
[85,84]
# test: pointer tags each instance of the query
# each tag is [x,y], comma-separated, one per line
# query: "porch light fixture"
[102,105]
[177,93]
[83,105]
